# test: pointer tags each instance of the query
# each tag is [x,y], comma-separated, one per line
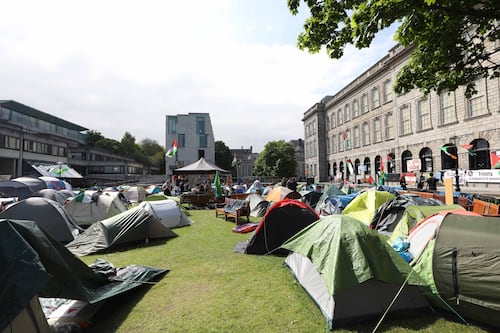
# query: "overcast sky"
[118,66]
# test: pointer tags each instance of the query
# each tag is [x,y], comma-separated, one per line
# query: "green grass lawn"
[209,288]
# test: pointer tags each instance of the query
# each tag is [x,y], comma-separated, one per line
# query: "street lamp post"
[454,141]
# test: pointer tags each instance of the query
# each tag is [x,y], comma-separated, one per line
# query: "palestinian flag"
[469,148]
[234,162]
[350,167]
[495,161]
[173,150]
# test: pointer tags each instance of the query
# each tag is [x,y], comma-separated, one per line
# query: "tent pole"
[392,302]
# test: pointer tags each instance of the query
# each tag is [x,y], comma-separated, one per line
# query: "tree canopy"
[148,152]
[452,42]
[223,156]
[276,160]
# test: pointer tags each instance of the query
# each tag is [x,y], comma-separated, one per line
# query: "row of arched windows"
[478,157]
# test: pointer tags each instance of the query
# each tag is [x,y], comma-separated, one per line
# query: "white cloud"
[117,66]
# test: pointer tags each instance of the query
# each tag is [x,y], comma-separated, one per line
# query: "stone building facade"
[368,126]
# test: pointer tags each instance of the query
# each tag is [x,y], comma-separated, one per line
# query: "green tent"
[32,262]
[414,215]
[462,269]
[350,272]
[133,225]
[364,206]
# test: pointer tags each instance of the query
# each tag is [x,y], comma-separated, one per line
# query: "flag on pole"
[173,150]
[350,166]
[495,161]
[234,162]
[382,170]
[391,162]
[445,150]
[346,140]
[469,147]
[218,188]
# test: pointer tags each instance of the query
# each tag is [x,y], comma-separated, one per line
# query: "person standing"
[431,182]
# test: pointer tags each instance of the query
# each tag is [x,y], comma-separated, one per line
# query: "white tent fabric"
[86,211]
[135,193]
[168,212]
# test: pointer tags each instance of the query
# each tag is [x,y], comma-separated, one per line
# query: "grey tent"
[389,214]
[59,196]
[48,215]
[258,205]
[35,184]
[12,188]
[350,271]
[33,263]
[133,225]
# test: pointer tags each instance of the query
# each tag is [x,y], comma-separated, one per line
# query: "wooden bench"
[219,208]
[485,208]
[234,208]
[464,202]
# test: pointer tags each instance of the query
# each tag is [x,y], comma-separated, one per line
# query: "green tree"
[276,160]
[223,156]
[127,145]
[92,137]
[452,42]
[154,152]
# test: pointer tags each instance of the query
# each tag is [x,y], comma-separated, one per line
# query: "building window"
[364,104]
[355,109]
[200,125]
[340,143]
[375,98]
[340,120]
[181,140]
[203,141]
[387,91]
[405,118]
[328,125]
[172,125]
[333,120]
[426,159]
[334,146]
[347,139]
[377,130]
[355,137]
[347,113]
[423,114]
[389,126]
[447,111]
[366,134]
[481,157]
[10,142]
[476,105]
